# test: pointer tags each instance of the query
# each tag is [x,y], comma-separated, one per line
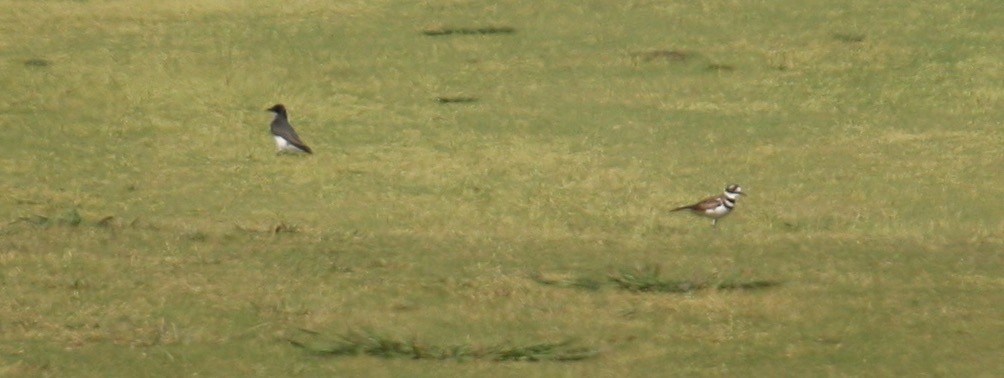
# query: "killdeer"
[286,139]
[717,206]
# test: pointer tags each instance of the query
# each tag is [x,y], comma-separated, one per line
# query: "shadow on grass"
[665,55]
[849,37]
[455,99]
[435,32]
[37,63]
[372,344]
[720,67]
[71,218]
[649,280]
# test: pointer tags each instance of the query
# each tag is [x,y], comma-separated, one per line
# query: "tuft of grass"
[373,344]
[585,283]
[649,281]
[278,228]
[107,221]
[746,285]
[285,228]
[198,236]
[560,351]
[71,218]
[35,219]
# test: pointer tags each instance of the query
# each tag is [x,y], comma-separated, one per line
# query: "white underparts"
[282,145]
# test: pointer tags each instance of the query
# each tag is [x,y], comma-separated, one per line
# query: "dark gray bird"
[286,139]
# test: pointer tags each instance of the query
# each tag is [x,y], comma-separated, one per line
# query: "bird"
[717,206]
[286,139]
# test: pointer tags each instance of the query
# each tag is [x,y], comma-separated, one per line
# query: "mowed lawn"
[490,188]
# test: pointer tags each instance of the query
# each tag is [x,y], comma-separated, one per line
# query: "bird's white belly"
[283,146]
[717,212]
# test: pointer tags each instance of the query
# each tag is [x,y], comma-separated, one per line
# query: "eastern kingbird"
[286,139]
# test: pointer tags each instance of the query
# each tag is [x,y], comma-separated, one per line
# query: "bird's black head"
[735,189]
[278,109]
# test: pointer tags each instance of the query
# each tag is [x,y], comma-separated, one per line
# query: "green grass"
[149,228]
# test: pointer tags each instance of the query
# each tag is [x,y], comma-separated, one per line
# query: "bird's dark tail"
[688,207]
[302,147]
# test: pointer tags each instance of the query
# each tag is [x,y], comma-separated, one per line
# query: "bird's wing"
[705,204]
[288,134]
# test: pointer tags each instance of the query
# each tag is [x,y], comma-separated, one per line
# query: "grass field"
[149,229]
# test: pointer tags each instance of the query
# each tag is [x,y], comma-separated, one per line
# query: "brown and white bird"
[717,206]
[286,139]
